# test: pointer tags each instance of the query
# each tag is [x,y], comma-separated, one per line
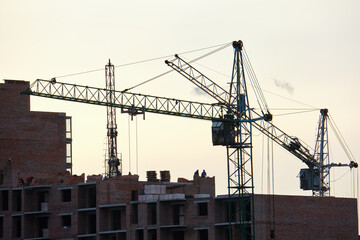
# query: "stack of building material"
[158,192]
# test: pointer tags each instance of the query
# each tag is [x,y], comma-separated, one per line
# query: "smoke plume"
[284,85]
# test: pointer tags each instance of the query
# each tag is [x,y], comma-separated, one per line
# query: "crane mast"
[114,163]
[239,153]
[322,155]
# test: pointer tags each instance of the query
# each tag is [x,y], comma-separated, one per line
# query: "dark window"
[43,224]
[179,235]
[17,226]
[151,213]
[139,234]
[203,209]
[1,227]
[134,195]
[152,234]
[16,200]
[203,234]
[92,197]
[176,215]
[115,220]
[1,177]
[92,223]
[232,211]
[248,210]
[134,213]
[66,221]
[5,200]
[43,198]
[66,195]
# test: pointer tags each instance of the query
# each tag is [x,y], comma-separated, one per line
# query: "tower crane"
[232,122]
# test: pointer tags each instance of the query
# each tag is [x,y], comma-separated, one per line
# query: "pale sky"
[304,50]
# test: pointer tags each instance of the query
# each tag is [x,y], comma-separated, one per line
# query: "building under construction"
[40,198]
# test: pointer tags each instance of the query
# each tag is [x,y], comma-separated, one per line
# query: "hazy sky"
[308,51]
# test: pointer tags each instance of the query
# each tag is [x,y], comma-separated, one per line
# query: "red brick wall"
[300,217]
[30,142]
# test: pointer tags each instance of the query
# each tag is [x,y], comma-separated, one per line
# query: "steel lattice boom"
[125,100]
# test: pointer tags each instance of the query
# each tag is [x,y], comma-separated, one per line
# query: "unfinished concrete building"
[41,199]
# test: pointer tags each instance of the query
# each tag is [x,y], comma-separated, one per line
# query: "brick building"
[51,203]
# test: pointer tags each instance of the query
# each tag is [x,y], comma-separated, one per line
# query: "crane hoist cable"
[129,135]
[255,84]
[291,99]
[269,203]
[341,139]
[292,113]
[211,69]
[167,72]
[142,61]
[137,145]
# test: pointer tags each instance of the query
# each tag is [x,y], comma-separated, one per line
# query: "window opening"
[1,227]
[152,235]
[92,197]
[115,220]
[66,195]
[17,226]
[134,213]
[139,234]
[152,213]
[203,234]
[134,195]
[43,224]
[203,209]
[178,235]
[66,221]
[5,200]
[92,223]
